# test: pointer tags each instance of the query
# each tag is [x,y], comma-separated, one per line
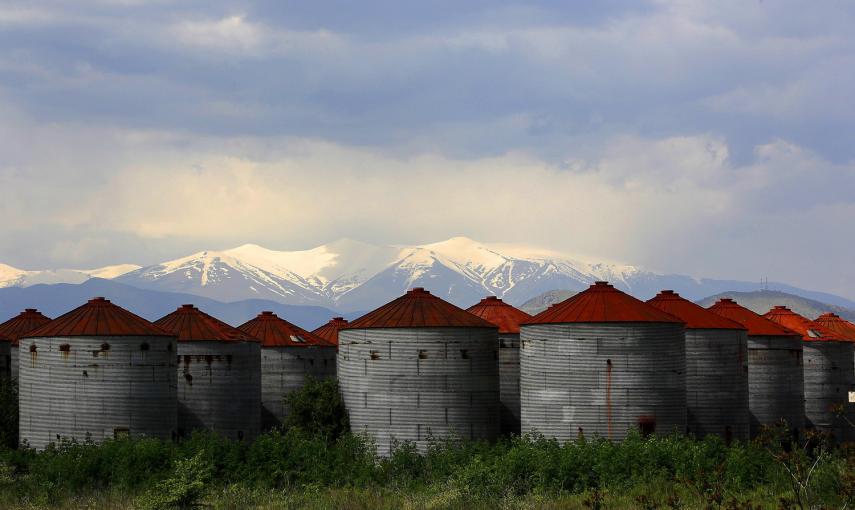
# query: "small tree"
[318,409]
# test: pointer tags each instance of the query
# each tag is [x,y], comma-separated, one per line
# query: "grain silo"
[831,321]
[775,378]
[329,331]
[219,375]
[507,319]
[16,327]
[289,354]
[828,373]
[600,364]
[419,367]
[716,369]
[95,373]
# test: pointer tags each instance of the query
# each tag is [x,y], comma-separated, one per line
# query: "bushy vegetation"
[310,465]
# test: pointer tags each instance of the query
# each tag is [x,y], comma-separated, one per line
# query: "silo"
[507,319]
[329,331]
[600,364]
[775,378]
[831,321]
[288,355]
[828,373]
[219,375]
[419,368]
[16,327]
[95,373]
[716,369]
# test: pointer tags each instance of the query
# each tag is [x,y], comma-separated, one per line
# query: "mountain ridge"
[348,275]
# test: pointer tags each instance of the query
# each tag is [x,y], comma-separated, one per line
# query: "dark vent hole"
[105,346]
[144,346]
[375,355]
[33,348]
[464,354]
[64,348]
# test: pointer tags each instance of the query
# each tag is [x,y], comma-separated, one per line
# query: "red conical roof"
[757,324]
[276,332]
[503,315]
[840,326]
[808,329]
[21,324]
[695,316]
[418,308]
[190,324]
[601,303]
[98,317]
[329,331]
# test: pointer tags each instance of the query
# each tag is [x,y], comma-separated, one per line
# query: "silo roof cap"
[418,308]
[810,331]
[602,302]
[190,324]
[98,317]
[694,315]
[835,323]
[329,331]
[503,315]
[23,323]
[757,324]
[274,331]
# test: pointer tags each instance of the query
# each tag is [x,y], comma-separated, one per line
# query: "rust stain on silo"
[609,396]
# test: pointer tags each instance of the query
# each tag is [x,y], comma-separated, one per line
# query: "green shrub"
[317,408]
[182,490]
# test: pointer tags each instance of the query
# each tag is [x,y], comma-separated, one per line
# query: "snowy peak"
[13,277]
[355,275]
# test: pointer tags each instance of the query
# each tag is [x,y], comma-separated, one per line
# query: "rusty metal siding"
[717,383]
[602,379]
[775,382]
[77,388]
[509,382]
[414,384]
[283,370]
[219,388]
[828,377]
[13,361]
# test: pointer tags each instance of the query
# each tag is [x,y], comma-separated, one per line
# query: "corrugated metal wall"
[828,377]
[602,379]
[283,370]
[219,388]
[509,382]
[717,383]
[13,351]
[775,377]
[416,383]
[96,388]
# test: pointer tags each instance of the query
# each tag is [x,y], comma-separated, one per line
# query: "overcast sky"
[710,138]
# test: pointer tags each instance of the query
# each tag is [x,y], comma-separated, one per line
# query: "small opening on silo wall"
[144,346]
[375,354]
[464,354]
[169,347]
[65,348]
[121,433]
[189,378]
[646,425]
[423,354]
[33,348]
[105,346]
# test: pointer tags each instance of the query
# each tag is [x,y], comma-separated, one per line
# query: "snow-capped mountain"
[13,277]
[349,275]
[352,275]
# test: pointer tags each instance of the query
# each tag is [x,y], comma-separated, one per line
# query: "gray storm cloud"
[711,139]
